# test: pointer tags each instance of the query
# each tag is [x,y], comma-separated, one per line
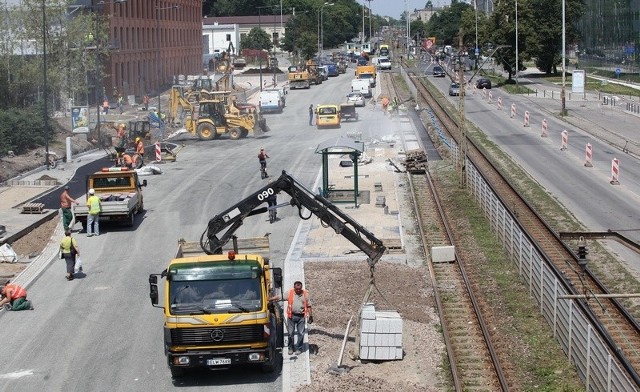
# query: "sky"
[394,8]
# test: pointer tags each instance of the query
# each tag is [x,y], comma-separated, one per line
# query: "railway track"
[472,357]
[609,318]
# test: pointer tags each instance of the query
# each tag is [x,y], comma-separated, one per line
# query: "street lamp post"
[45,111]
[321,28]
[369,20]
[477,51]
[563,93]
[517,67]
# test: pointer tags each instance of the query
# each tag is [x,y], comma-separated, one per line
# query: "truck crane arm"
[213,239]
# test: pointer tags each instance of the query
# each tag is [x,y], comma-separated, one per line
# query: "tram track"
[609,318]
[473,360]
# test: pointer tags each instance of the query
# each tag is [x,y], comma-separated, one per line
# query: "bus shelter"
[344,147]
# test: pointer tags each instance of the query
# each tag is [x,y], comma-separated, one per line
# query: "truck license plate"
[218,361]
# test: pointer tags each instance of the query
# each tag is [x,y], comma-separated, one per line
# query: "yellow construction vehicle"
[314,72]
[298,77]
[215,116]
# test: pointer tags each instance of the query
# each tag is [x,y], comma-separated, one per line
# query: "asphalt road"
[100,332]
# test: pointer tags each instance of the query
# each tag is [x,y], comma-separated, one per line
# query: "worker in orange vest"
[298,312]
[14,297]
[139,147]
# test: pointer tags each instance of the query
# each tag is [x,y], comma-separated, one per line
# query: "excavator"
[215,116]
[213,112]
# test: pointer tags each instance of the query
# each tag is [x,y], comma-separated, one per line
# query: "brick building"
[153,41]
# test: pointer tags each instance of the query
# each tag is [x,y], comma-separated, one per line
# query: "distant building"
[271,24]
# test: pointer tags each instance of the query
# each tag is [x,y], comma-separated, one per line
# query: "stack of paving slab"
[380,334]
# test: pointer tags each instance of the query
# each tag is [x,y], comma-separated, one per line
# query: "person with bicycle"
[262,157]
[272,202]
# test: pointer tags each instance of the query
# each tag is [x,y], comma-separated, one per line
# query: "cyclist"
[262,157]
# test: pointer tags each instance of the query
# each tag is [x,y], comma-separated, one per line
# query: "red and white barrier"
[545,127]
[474,88]
[158,153]
[565,140]
[513,110]
[615,172]
[526,119]
[490,96]
[499,103]
[484,93]
[589,156]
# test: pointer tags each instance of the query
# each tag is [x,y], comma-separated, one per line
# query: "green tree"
[445,25]
[256,39]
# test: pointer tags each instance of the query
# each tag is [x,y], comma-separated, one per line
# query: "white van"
[361,86]
[270,101]
[282,92]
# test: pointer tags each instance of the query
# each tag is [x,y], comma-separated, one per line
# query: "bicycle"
[263,171]
[272,214]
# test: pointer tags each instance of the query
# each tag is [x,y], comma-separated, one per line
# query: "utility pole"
[563,93]
[462,159]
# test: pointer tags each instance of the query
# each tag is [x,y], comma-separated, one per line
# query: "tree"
[256,39]
[445,24]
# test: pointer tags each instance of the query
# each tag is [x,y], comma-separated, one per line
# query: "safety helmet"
[123,125]
[137,139]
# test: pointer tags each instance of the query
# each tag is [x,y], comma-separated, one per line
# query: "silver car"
[356,98]
[454,89]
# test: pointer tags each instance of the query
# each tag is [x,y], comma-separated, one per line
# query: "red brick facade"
[133,68]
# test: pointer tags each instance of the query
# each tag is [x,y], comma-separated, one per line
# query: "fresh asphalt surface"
[77,185]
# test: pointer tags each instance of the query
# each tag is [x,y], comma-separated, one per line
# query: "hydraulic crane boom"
[222,226]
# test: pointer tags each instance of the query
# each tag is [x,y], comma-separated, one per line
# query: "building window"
[228,37]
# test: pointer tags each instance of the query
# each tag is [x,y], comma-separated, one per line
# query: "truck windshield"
[215,296]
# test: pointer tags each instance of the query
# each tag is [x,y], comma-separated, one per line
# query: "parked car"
[356,98]
[438,72]
[363,61]
[483,83]
[454,89]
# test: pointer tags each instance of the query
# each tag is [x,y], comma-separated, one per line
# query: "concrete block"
[369,326]
[378,340]
[443,254]
[364,352]
[382,353]
[397,340]
[368,312]
[397,353]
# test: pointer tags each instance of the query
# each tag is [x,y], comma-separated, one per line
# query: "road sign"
[477,52]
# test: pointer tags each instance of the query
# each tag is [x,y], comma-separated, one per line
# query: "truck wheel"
[207,131]
[235,133]
[270,366]
[176,372]
[245,133]
[131,219]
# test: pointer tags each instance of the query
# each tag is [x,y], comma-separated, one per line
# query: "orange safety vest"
[290,302]
[17,291]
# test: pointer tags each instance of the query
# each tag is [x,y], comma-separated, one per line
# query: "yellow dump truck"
[217,308]
[220,294]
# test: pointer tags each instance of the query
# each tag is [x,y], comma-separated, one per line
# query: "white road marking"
[16,375]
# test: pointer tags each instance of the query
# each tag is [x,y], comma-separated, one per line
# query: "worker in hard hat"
[139,146]
[122,135]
